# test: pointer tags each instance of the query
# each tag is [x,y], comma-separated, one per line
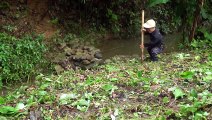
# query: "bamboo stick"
[142,36]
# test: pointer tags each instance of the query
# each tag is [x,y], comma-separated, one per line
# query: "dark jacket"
[156,39]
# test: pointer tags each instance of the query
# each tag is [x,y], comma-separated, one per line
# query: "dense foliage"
[123,16]
[118,16]
[19,57]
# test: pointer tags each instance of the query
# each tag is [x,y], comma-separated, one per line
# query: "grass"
[176,87]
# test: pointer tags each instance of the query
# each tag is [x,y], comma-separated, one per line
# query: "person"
[155,46]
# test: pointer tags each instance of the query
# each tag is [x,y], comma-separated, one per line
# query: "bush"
[203,41]
[19,57]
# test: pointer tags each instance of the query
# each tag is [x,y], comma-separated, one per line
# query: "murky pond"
[113,47]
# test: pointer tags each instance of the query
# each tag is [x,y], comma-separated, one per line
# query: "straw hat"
[149,24]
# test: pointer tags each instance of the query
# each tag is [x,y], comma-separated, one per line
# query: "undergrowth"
[176,87]
[19,57]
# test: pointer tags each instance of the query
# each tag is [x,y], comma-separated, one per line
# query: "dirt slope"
[38,15]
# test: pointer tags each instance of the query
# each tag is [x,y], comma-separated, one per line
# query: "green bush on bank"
[19,57]
[202,42]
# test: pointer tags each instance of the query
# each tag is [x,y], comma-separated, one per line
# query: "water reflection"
[115,47]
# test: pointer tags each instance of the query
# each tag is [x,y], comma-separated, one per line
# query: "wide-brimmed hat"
[149,24]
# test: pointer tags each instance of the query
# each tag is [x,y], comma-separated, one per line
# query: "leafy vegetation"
[177,87]
[19,57]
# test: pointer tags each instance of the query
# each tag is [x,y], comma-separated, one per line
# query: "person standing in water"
[155,46]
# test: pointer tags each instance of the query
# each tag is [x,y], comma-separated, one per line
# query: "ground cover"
[179,86]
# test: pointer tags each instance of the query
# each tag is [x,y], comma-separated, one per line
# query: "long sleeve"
[155,39]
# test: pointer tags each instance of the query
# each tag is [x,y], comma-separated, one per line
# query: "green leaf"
[68,96]
[82,108]
[165,100]
[65,98]
[2,101]
[42,93]
[139,74]
[83,102]
[187,75]
[193,93]
[109,87]
[152,3]
[3,118]
[177,92]
[82,105]
[8,110]
[114,79]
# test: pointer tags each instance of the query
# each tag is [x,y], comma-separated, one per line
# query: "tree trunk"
[196,19]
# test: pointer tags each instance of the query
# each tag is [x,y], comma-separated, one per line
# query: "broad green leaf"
[177,92]
[8,110]
[152,3]
[187,75]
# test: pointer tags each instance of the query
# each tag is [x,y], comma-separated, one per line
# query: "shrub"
[203,41]
[19,57]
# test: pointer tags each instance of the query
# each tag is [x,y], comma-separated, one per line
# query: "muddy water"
[115,47]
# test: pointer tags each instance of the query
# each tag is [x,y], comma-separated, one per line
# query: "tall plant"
[19,57]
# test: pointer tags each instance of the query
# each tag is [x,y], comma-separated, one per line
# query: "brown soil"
[27,16]
[39,17]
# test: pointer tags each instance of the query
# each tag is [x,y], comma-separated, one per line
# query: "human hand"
[143,30]
[142,46]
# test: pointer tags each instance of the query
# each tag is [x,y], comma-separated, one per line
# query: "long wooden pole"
[142,36]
